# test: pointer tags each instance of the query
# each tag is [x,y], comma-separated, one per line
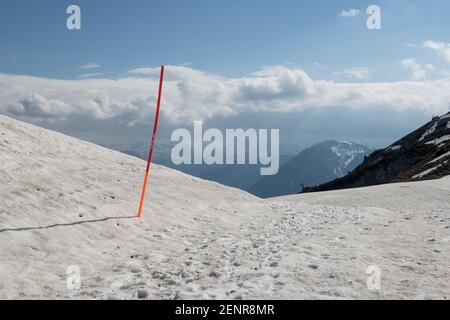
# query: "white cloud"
[358,73]
[90,75]
[417,71]
[441,48]
[191,94]
[89,66]
[349,13]
[37,106]
[410,45]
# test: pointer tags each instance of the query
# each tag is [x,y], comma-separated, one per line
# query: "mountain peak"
[319,163]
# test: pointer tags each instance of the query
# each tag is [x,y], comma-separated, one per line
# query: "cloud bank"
[191,94]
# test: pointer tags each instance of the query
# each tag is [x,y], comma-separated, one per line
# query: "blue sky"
[298,65]
[230,38]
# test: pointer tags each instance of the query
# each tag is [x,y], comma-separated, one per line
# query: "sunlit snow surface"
[65,203]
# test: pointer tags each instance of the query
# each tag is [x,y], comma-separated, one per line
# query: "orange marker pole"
[155,127]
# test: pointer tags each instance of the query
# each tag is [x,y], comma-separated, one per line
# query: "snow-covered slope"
[65,202]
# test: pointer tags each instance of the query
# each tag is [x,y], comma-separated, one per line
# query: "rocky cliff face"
[423,154]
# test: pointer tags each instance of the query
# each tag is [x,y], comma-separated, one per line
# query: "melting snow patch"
[395,148]
[425,173]
[429,131]
[439,140]
[440,157]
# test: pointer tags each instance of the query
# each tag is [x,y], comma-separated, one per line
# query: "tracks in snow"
[213,264]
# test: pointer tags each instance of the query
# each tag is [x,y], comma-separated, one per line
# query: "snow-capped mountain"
[320,163]
[348,154]
[422,154]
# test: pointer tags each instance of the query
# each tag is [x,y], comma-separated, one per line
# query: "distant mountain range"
[237,176]
[423,154]
[320,163]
